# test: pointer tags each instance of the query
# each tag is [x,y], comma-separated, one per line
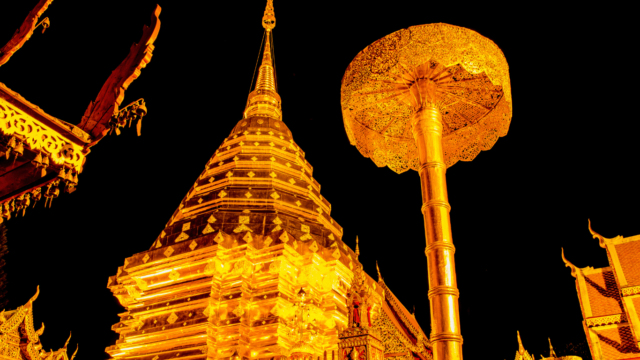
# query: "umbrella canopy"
[456,70]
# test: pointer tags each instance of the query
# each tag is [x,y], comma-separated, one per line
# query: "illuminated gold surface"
[381,87]
[443,288]
[222,278]
[20,341]
[424,98]
[41,138]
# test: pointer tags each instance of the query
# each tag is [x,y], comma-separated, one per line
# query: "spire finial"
[357,248]
[269,18]
[552,353]
[264,99]
[520,346]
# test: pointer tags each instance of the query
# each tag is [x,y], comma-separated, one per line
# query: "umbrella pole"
[443,287]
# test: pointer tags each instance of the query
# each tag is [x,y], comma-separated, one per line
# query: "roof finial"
[379,276]
[601,239]
[75,352]
[30,302]
[41,330]
[269,18]
[357,248]
[552,353]
[567,263]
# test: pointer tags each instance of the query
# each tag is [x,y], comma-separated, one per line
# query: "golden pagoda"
[41,155]
[20,341]
[610,299]
[252,265]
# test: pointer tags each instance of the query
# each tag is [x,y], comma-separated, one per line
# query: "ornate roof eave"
[24,315]
[39,151]
[68,131]
[406,317]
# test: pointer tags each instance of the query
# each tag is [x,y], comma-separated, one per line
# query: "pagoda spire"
[264,100]
[357,248]
[552,353]
[520,346]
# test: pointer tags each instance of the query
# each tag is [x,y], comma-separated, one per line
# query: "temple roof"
[412,335]
[20,341]
[41,155]
[68,131]
[608,299]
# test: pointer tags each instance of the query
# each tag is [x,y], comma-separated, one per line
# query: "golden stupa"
[252,265]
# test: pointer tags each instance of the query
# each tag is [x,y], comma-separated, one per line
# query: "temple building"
[20,341]
[252,265]
[41,155]
[610,299]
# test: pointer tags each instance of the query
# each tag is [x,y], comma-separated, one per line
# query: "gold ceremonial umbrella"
[424,98]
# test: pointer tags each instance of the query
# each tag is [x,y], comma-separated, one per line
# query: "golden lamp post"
[424,98]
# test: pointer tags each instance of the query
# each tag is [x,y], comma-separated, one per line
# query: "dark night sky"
[569,154]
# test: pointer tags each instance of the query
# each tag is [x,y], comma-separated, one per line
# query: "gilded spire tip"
[269,18]
[357,248]
[520,346]
[552,353]
[264,99]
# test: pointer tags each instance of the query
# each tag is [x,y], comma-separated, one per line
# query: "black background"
[570,153]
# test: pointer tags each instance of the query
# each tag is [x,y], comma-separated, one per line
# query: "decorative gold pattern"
[606,320]
[168,252]
[471,78]
[20,341]
[39,137]
[632,290]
